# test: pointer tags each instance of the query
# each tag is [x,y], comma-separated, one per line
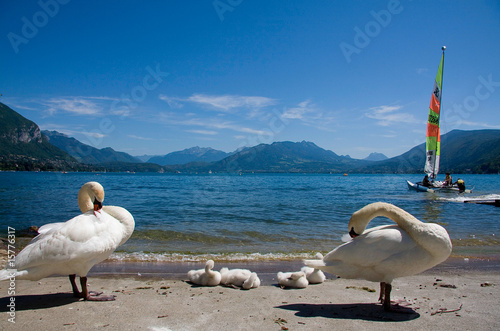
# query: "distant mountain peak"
[376,157]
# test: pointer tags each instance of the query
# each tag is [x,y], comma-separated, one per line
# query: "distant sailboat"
[433,141]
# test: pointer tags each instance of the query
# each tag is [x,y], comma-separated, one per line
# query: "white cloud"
[386,115]
[172,102]
[204,132]
[300,111]
[225,103]
[75,105]
[93,134]
[138,137]
[310,115]
[229,102]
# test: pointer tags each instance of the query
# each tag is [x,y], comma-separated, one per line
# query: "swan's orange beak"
[97,205]
[352,233]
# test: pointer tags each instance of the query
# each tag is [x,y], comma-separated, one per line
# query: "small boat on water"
[433,143]
[432,189]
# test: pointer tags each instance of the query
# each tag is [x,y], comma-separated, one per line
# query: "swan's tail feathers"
[11,274]
[316,264]
[6,274]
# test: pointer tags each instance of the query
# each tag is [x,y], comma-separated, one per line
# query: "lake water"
[248,217]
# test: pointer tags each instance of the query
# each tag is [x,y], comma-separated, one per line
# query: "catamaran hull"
[418,187]
[446,189]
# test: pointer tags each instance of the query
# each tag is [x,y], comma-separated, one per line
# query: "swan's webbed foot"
[396,306]
[92,295]
[400,306]
[100,298]
[85,294]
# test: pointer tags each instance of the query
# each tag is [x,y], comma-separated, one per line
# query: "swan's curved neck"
[84,201]
[362,217]
[90,193]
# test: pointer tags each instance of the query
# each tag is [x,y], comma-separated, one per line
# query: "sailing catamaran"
[433,141]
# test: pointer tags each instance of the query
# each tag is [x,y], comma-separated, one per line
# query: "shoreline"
[267,270]
[439,299]
[155,296]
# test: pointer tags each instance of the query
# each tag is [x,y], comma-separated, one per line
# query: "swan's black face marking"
[97,205]
[352,233]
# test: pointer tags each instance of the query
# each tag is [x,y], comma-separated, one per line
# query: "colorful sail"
[433,142]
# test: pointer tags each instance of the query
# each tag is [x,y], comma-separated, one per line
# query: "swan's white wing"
[84,238]
[126,219]
[50,227]
[373,247]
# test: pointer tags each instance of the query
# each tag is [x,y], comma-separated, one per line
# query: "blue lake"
[183,217]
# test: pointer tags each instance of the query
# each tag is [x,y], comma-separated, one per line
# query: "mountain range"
[85,153]
[24,147]
[193,154]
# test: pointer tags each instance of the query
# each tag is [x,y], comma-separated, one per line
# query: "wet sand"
[458,294]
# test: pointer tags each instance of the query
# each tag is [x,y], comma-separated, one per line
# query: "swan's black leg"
[387,297]
[382,289]
[76,293]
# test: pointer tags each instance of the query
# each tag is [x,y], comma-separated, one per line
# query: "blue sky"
[153,77]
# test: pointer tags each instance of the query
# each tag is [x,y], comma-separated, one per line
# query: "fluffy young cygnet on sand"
[314,276]
[239,277]
[292,279]
[206,276]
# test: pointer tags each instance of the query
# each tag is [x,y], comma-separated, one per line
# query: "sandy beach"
[445,298]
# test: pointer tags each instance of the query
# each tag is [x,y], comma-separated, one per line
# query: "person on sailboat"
[426,182]
[461,185]
[448,181]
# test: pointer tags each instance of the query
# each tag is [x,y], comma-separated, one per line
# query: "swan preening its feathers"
[383,253]
[73,247]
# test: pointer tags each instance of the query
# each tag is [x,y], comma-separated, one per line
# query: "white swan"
[292,279]
[314,276]
[383,253]
[206,276]
[239,277]
[73,247]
